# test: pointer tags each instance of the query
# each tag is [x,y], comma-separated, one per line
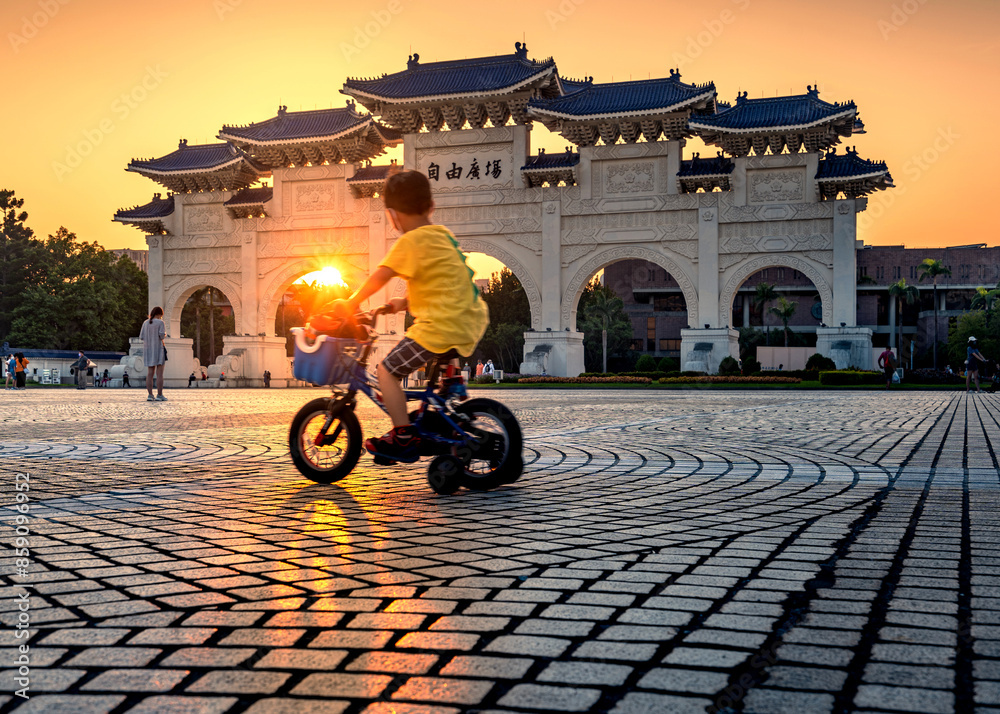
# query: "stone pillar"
[703,350]
[674,150]
[708,269]
[845,266]
[746,311]
[846,346]
[155,271]
[244,360]
[559,354]
[180,361]
[248,283]
[551,267]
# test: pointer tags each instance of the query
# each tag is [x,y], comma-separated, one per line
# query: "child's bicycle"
[475,443]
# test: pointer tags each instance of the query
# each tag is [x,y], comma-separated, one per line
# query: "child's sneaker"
[400,444]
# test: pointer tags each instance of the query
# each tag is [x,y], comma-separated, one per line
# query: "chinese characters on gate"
[473,172]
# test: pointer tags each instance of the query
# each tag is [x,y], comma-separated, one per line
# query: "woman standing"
[154,354]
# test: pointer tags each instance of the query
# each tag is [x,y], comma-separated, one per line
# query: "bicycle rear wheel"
[495,459]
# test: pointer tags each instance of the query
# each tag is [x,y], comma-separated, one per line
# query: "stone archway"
[571,296]
[745,270]
[515,266]
[178,294]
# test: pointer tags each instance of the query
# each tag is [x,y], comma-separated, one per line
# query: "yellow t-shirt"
[446,307]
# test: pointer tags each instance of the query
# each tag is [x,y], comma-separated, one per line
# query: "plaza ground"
[664,552]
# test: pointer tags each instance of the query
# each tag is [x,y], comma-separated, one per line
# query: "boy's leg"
[393,396]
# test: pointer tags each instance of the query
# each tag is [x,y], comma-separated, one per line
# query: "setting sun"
[327,277]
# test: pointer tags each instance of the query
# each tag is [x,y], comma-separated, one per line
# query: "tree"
[600,338]
[933,269]
[207,333]
[79,296]
[18,255]
[506,299]
[604,306]
[984,299]
[900,291]
[784,312]
[764,294]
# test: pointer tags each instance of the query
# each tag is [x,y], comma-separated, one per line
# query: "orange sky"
[924,74]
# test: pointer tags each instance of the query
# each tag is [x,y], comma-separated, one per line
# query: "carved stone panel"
[468,168]
[317,196]
[629,177]
[203,219]
[776,185]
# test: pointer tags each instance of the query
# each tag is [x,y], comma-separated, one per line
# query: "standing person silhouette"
[154,354]
[972,365]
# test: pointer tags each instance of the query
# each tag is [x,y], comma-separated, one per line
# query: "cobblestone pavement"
[664,552]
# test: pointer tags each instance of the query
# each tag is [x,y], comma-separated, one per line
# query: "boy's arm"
[372,285]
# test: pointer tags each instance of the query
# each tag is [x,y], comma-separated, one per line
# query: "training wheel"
[445,475]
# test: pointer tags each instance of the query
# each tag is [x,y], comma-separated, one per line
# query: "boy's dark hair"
[408,192]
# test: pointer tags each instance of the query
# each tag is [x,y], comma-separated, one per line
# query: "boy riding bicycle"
[445,304]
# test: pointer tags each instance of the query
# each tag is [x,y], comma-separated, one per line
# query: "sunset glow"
[328,277]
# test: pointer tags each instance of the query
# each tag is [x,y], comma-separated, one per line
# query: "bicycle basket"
[327,361]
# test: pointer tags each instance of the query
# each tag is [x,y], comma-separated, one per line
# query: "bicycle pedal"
[382,460]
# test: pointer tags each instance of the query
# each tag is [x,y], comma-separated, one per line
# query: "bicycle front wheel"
[336,454]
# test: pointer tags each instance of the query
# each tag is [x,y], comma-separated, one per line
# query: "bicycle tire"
[503,470]
[297,446]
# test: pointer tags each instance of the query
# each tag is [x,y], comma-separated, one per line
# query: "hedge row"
[842,378]
[585,380]
[730,379]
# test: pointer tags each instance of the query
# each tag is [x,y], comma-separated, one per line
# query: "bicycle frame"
[367,383]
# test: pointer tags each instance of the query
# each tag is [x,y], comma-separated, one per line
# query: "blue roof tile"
[849,165]
[251,196]
[636,97]
[454,77]
[697,166]
[290,126]
[157,208]
[793,111]
[370,173]
[558,160]
[195,158]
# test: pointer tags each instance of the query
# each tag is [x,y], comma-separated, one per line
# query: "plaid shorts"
[407,357]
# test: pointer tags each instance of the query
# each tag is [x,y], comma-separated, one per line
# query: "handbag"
[164,353]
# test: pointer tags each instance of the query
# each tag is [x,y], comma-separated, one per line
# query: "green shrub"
[692,373]
[646,363]
[819,363]
[750,366]
[844,377]
[729,366]
[668,364]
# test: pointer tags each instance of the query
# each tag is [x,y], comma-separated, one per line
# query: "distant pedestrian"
[10,363]
[488,368]
[479,368]
[80,367]
[106,378]
[267,378]
[125,382]
[190,380]
[887,363]
[780,366]
[20,366]
[972,365]
[154,354]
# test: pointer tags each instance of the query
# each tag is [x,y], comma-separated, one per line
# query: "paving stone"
[773,701]
[301,659]
[236,682]
[586,673]
[537,697]
[442,690]
[395,662]
[438,641]
[684,680]
[178,704]
[136,680]
[359,639]
[114,657]
[208,657]
[354,686]
[76,703]
[528,645]
[277,705]
[41,680]
[905,698]
[642,703]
